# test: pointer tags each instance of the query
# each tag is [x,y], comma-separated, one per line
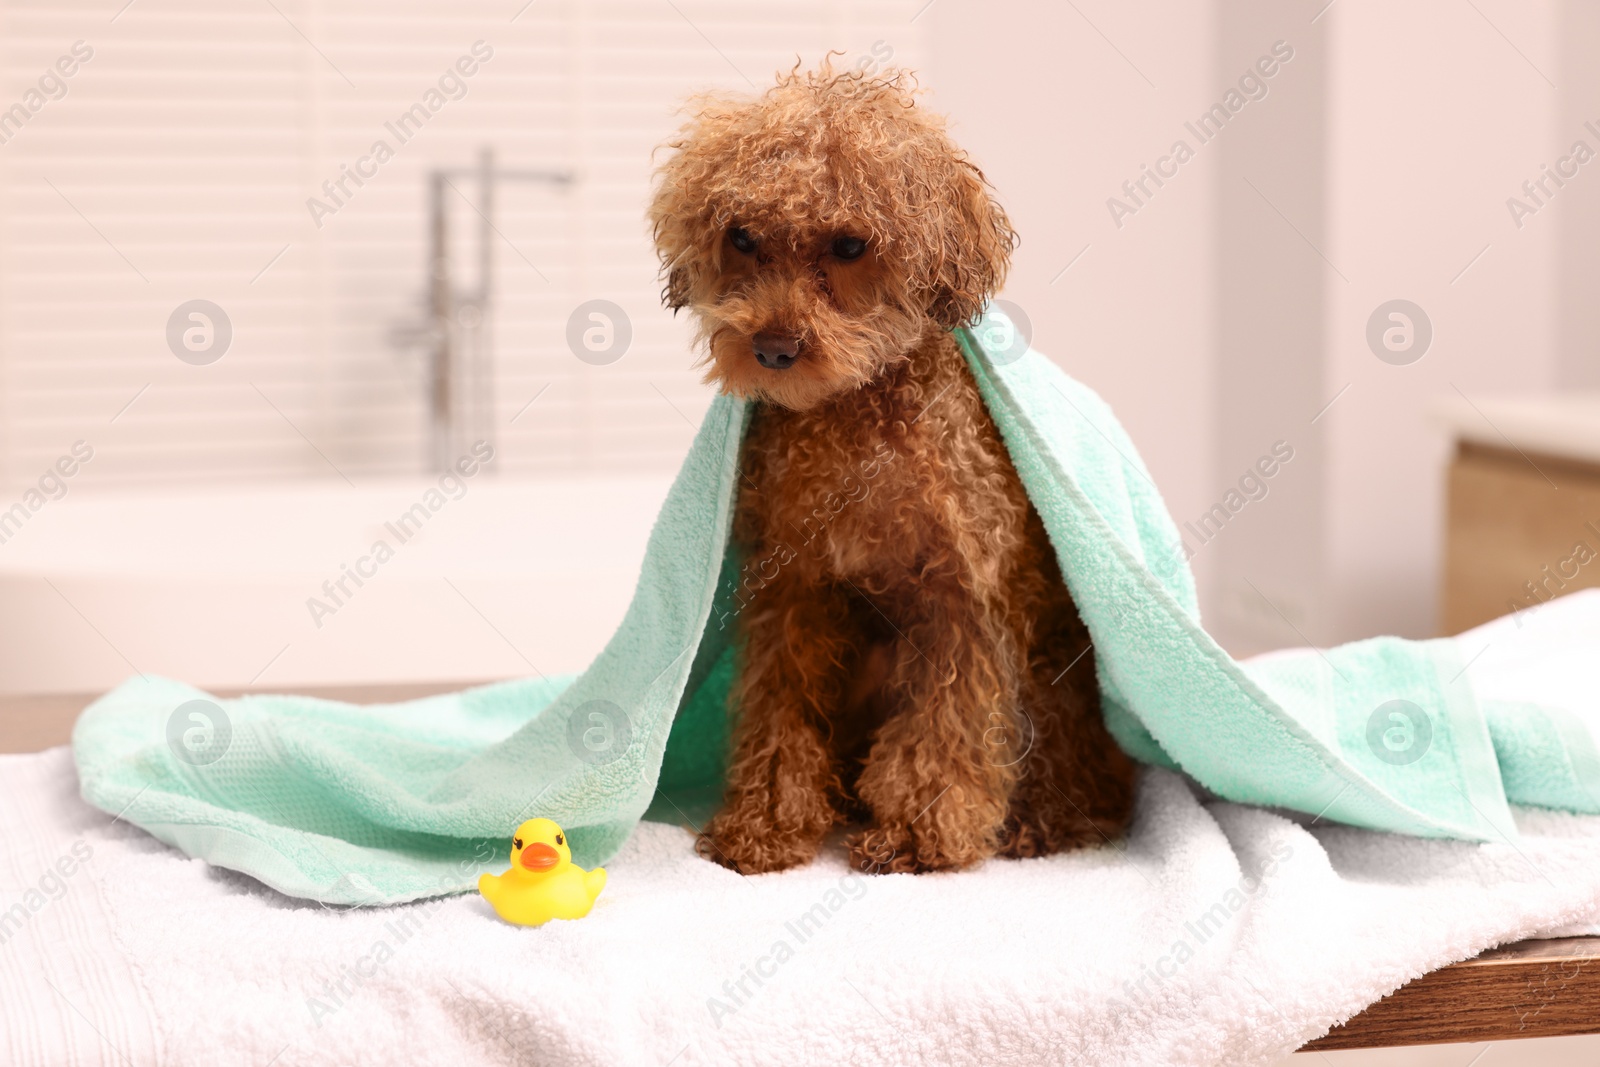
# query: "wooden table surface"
[1528,989]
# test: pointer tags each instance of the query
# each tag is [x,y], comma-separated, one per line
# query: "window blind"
[197,150]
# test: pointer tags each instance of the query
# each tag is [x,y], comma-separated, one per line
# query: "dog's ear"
[975,251]
[673,250]
[675,294]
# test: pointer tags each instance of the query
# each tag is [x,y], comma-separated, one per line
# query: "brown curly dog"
[916,664]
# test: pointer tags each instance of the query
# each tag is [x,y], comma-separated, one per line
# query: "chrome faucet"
[454,330]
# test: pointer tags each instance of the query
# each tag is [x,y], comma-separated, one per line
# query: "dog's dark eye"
[560,840]
[848,248]
[517,843]
[740,238]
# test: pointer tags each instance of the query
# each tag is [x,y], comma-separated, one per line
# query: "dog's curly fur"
[911,659]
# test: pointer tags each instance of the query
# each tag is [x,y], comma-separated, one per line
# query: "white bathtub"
[217,587]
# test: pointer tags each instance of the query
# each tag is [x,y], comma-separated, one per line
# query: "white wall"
[1435,120]
[1058,119]
[1223,316]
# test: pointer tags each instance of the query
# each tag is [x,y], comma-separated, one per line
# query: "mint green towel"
[348,804]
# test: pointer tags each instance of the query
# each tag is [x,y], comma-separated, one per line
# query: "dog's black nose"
[775,351]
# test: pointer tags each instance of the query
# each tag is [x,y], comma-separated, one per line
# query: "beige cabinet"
[1522,518]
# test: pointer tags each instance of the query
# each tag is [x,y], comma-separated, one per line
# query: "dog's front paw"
[752,846]
[886,850]
[876,851]
[1028,835]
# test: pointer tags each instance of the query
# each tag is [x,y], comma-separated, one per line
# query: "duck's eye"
[740,238]
[848,248]
[517,843]
[560,840]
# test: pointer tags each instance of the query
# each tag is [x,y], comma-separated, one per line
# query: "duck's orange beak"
[539,857]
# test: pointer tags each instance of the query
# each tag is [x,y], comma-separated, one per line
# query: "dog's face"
[819,232]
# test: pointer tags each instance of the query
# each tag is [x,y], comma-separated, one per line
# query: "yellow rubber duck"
[543,882]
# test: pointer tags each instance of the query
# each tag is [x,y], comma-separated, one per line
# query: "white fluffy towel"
[1215,934]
